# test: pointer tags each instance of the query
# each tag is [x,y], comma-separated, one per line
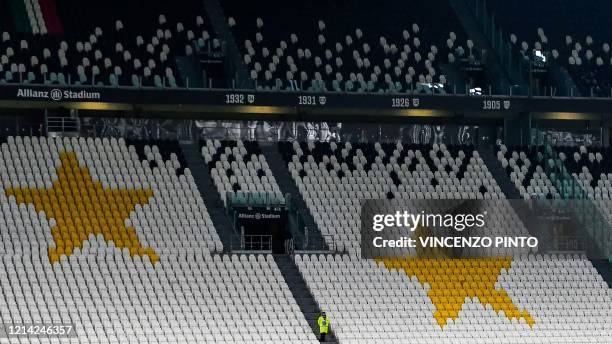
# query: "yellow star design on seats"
[81,206]
[452,280]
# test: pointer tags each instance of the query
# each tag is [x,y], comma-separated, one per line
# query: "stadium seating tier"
[125,252]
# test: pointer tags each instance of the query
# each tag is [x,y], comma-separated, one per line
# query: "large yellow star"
[82,207]
[452,279]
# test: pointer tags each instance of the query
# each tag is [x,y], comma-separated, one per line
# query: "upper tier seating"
[569,32]
[93,235]
[320,46]
[136,46]
[240,168]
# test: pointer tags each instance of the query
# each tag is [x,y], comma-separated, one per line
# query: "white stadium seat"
[180,291]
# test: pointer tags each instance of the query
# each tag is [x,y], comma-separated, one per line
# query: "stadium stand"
[124,220]
[129,253]
[340,175]
[44,42]
[589,167]
[567,34]
[319,51]
[529,291]
[513,288]
[134,47]
[591,172]
[525,168]
[240,168]
[556,298]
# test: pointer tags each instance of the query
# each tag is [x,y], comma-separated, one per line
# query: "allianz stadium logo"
[258,216]
[57,94]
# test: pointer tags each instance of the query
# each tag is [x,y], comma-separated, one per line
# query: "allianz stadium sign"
[57,94]
[295,105]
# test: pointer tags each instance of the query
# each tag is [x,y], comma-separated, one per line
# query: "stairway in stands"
[498,172]
[233,57]
[301,294]
[495,69]
[191,71]
[530,219]
[210,195]
[287,185]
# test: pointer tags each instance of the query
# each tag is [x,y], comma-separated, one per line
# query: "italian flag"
[29,19]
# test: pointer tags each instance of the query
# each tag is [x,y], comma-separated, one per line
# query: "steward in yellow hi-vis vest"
[323,322]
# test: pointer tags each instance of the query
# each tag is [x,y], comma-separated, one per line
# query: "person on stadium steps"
[323,322]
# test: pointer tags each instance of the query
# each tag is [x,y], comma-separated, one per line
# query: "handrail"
[62,124]
[256,242]
[254,199]
[568,244]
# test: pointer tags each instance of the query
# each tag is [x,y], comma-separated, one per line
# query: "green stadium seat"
[157,81]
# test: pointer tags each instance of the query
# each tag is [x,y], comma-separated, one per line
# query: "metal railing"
[309,245]
[255,242]
[248,199]
[62,124]
[331,242]
[289,246]
[568,244]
